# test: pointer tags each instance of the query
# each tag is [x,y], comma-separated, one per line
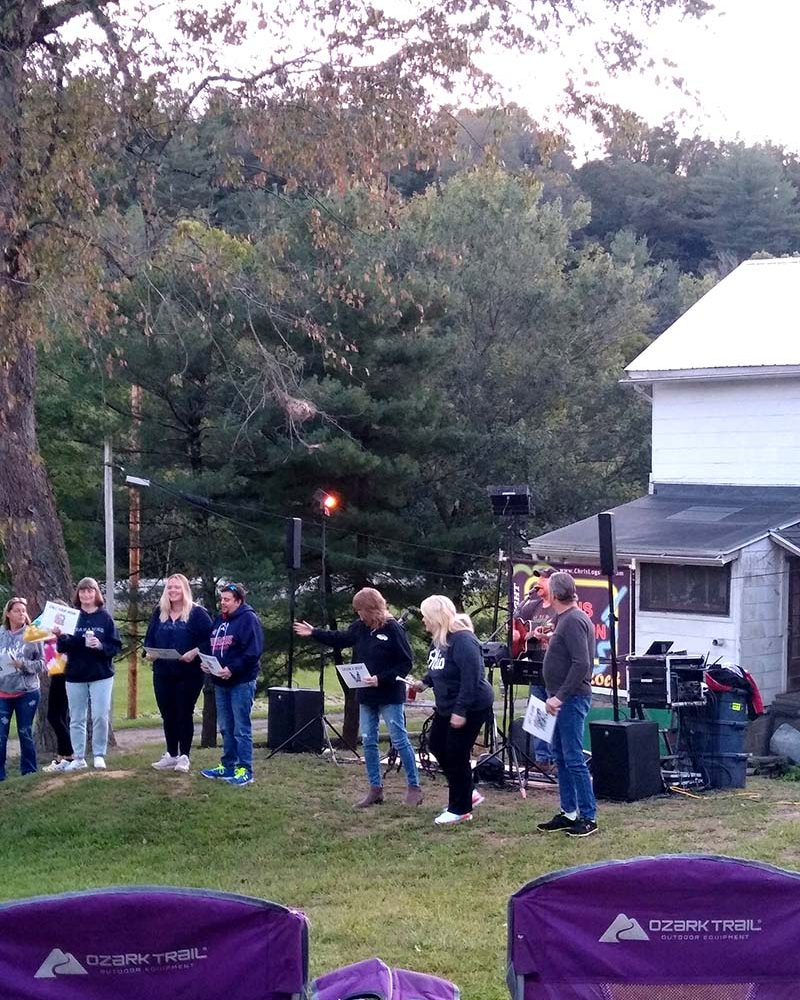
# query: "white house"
[715,545]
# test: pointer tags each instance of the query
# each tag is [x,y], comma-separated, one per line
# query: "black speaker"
[294,533]
[290,709]
[626,764]
[608,548]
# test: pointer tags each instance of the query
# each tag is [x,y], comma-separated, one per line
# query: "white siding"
[763,615]
[743,433]
[753,636]
[694,633]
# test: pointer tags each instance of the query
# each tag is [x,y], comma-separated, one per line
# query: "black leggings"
[176,698]
[452,748]
[58,714]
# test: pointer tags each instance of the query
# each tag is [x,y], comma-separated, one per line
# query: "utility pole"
[108,512]
[134,560]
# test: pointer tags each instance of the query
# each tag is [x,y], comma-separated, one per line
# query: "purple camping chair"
[372,980]
[677,927]
[151,943]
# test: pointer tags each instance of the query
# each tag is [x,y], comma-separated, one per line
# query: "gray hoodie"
[31,656]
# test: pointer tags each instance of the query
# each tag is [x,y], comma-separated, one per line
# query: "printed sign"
[59,616]
[537,722]
[592,589]
[354,674]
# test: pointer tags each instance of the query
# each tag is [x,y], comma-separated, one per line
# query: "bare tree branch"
[50,19]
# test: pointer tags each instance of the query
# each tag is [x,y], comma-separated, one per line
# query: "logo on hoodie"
[60,963]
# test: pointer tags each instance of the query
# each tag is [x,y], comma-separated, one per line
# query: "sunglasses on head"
[19,600]
[230,588]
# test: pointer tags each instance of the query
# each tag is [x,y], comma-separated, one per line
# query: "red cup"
[411,693]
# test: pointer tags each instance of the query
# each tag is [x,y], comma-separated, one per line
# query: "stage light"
[328,502]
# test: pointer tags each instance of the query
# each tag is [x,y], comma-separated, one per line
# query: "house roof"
[680,523]
[788,538]
[747,324]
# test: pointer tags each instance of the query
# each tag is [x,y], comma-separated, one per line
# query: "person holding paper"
[21,663]
[237,641]
[90,672]
[178,624]
[381,643]
[463,700]
[568,666]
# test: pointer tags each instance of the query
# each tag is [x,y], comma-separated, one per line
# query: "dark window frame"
[664,587]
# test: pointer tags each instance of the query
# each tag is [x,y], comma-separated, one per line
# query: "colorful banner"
[592,589]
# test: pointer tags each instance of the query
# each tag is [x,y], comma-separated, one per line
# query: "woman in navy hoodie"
[463,700]
[237,641]
[90,672]
[180,624]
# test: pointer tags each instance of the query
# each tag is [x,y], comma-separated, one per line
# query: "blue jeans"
[574,781]
[543,752]
[25,709]
[393,716]
[80,694]
[234,705]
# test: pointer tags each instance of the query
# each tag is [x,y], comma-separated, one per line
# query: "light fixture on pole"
[327,503]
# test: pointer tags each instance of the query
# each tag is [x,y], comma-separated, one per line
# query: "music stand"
[511,503]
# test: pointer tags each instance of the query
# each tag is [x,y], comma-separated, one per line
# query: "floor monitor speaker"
[290,711]
[626,763]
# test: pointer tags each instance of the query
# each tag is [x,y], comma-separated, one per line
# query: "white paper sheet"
[56,615]
[161,654]
[212,663]
[537,722]
[354,674]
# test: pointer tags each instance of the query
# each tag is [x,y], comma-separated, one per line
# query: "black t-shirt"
[535,613]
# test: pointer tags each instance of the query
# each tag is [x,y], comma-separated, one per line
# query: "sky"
[740,61]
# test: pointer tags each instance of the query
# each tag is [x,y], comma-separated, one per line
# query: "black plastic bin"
[723,770]
[727,706]
[707,736]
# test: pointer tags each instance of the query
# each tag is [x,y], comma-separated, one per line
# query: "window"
[692,590]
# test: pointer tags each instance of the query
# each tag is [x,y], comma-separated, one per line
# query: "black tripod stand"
[326,724]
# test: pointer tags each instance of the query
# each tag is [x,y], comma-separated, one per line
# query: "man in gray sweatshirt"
[568,666]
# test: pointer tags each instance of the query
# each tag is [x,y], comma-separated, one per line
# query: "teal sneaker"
[241,777]
[220,771]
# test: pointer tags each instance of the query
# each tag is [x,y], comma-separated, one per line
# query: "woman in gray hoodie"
[20,665]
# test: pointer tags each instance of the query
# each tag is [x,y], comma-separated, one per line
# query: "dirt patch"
[55,784]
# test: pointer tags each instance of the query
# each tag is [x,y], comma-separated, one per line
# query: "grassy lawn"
[384,882]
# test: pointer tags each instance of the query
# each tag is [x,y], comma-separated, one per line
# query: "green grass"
[384,882]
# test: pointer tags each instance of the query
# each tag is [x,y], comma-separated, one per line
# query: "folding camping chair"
[372,980]
[156,942]
[676,927]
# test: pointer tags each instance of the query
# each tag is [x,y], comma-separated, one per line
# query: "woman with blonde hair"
[21,663]
[463,700]
[380,642]
[177,623]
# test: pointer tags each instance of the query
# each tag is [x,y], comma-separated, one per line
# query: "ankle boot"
[414,796]
[374,797]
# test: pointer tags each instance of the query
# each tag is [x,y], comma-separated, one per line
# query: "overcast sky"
[741,60]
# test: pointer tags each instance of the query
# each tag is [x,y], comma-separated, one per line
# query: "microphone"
[407,613]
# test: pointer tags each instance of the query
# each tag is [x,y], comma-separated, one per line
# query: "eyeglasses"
[231,587]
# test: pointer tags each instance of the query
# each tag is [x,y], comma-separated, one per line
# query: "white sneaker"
[477,798]
[79,764]
[181,764]
[100,763]
[448,819]
[167,762]
[57,766]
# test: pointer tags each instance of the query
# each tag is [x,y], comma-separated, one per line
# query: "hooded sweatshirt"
[85,664]
[458,677]
[385,651]
[237,641]
[179,635]
[13,681]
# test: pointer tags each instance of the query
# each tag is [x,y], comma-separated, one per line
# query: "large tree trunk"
[30,533]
